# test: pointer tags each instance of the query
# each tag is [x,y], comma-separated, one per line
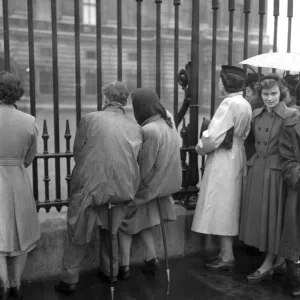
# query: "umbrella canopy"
[276,60]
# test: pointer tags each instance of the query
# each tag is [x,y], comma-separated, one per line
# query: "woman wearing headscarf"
[19,225]
[263,200]
[160,167]
[218,206]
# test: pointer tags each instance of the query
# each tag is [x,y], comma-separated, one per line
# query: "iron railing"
[188,78]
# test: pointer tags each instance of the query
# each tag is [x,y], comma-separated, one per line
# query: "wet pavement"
[189,281]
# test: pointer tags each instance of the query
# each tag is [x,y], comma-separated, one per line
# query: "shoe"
[5,293]
[124,272]
[65,288]
[257,276]
[151,266]
[280,269]
[16,292]
[219,265]
[107,278]
[211,259]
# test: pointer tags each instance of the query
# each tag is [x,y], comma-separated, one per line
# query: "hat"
[252,78]
[233,78]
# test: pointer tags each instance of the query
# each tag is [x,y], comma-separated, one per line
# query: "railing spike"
[176,2]
[45,134]
[67,131]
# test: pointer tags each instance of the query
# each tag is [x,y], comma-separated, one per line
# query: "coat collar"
[280,110]
[151,119]
[234,94]
[114,106]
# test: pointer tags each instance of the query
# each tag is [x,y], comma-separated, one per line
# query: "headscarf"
[10,90]
[146,104]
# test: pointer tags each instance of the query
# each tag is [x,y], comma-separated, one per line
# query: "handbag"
[228,140]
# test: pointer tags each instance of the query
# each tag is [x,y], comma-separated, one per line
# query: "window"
[45,82]
[46,52]
[132,56]
[89,12]
[90,84]
[90,55]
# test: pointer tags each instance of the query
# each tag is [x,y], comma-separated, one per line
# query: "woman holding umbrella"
[263,201]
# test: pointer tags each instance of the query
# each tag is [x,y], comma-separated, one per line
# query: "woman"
[262,209]
[160,177]
[289,248]
[18,216]
[218,205]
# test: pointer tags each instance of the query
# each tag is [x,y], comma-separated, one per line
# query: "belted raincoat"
[218,206]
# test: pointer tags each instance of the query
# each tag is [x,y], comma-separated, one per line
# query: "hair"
[270,80]
[116,91]
[10,90]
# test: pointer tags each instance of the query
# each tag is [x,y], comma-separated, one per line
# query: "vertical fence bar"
[99,55]
[261,12]
[231,9]
[193,173]
[45,137]
[77,59]
[6,35]
[276,15]
[158,45]
[176,58]
[290,17]
[139,42]
[246,27]
[32,89]
[215,7]
[55,96]
[119,38]
[68,150]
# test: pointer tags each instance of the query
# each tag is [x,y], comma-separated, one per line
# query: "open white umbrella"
[277,60]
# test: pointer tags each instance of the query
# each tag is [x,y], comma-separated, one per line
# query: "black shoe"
[220,265]
[5,293]
[151,266]
[16,292]
[65,288]
[107,278]
[124,272]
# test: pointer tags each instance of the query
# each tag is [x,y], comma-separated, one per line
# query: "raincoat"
[19,224]
[106,151]
[218,206]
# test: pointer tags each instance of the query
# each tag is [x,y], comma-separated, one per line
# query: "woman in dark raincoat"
[263,199]
[289,147]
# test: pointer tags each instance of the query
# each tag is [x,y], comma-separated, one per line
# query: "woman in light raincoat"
[218,206]
[19,224]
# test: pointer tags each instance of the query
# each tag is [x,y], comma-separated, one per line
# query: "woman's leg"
[226,244]
[125,241]
[268,263]
[4,272]
[18,265]
[148,241]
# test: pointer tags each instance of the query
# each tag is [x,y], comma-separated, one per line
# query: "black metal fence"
[188,77]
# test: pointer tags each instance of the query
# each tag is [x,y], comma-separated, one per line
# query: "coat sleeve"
[33,147]
[290,165]
[213,137]
[80,138]
[149,153]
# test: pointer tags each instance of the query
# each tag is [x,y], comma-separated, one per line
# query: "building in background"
[18,35]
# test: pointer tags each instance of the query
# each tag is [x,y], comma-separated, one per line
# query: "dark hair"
[270,80]
[10,90]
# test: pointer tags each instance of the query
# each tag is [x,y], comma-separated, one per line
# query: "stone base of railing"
[45,260]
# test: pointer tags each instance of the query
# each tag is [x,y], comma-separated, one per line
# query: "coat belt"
[11,162]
